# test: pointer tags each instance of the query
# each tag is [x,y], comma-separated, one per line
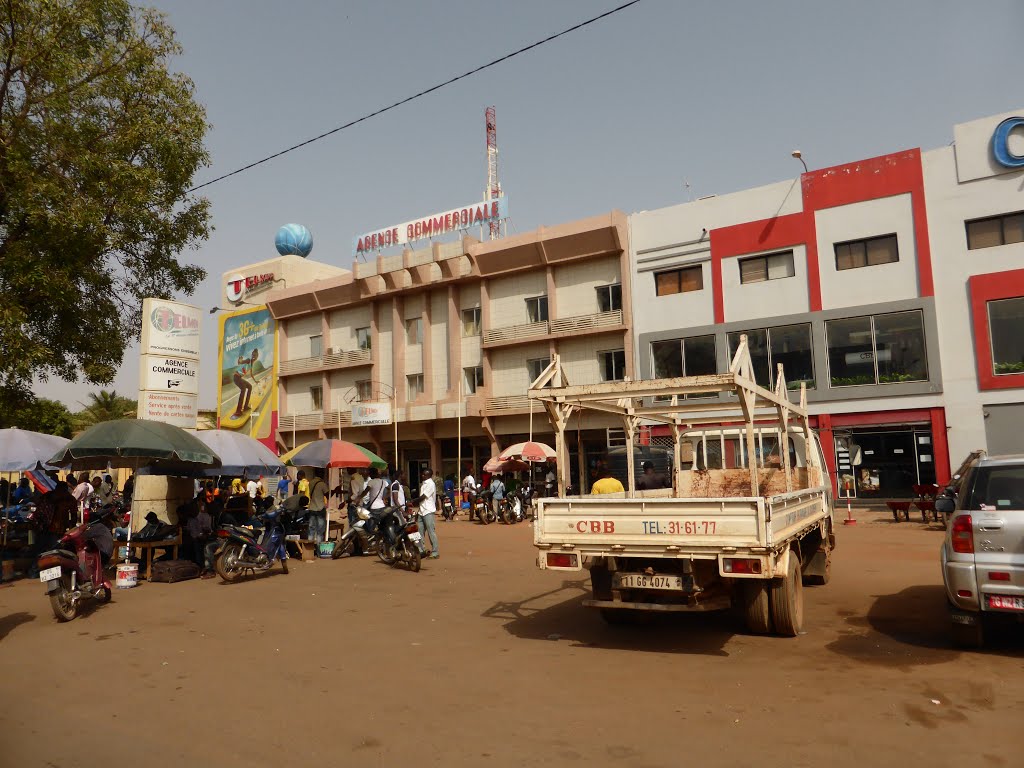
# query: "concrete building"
[893,287]
[451,335]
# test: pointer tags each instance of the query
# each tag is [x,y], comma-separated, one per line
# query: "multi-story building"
[451,335]
[893,287]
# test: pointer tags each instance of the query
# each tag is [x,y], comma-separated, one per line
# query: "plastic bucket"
[325,549]
[127,575]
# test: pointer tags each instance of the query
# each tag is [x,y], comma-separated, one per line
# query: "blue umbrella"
[22,450]
[239,455]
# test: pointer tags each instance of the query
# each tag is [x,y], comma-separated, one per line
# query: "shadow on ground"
[559,614]
[911,628]
[12,621]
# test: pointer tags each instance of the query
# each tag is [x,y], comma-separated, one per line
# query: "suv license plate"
[1006,602]
[49,574]
[641,581]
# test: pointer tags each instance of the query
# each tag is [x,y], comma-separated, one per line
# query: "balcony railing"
[507,403]
[583,323]
[333,359]
[515,332]
[325,419]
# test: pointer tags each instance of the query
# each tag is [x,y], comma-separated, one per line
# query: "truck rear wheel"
[756,611]
[787,599]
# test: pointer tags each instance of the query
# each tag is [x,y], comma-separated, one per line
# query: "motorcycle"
[362,537]
[448,510]
[521,503]
[247,550]
[74,571]
[400,539]
[481,505]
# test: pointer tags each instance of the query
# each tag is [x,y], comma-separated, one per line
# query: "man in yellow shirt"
[607,484]
[302,484]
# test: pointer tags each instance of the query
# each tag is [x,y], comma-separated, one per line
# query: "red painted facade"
[886,176]
[983,289]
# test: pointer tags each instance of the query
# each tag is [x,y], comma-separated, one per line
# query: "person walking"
[301,484]
[317,507]
[427,502]
[497,489]
[282,488]
[469,489]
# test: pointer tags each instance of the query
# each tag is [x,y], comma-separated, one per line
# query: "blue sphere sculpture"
[293,240]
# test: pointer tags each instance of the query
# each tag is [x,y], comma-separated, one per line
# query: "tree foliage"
[105,406]
[99,143]
[40,415]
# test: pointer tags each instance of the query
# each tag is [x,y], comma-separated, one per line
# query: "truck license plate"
[49,574]
[1006,602]
[641,581]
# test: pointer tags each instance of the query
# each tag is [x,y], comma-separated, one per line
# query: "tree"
[99,143]
[40,415]
[105,406]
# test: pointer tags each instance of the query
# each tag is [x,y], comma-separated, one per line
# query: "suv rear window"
[997,487]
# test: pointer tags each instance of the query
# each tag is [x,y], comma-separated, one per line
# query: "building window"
[679,281]
[471,322]
[537,309]
[695,356]
[867,253]
[1006,329]
[316,396]
[316,346]
[414,330]
[772,266]
[536,366]
[786,344]
[609,297]
[474,378]
[414,386]
[364,391]
[879,349]
[995,230]
[363,338]
[613,365]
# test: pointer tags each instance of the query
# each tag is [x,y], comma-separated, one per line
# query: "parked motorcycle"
[361,538]
[400,539]
[74,571]
[244,550]
[448,510]
[481,506]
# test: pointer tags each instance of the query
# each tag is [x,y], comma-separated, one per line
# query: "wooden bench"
[147,547]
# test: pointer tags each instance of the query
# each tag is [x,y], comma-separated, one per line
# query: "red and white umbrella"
[531,452]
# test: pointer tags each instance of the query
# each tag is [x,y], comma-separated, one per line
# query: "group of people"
[376,491]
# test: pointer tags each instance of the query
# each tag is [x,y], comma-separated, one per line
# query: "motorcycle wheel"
[484,515]
[344,547]
[387,553]
[64,608]
[102,595]
[412,556]
[508,515]
[225,563]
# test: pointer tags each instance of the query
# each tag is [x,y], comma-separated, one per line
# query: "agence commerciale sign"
[455,220]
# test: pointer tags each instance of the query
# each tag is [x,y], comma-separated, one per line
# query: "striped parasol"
[530,452]
[329,453]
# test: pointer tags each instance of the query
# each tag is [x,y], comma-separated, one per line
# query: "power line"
[406,100]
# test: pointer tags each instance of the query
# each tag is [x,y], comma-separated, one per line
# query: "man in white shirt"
[356,484]
[469,490]
[251,488]
[375,493]
[398,491]
[428,511]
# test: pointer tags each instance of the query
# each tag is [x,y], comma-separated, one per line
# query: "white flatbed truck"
[744,524]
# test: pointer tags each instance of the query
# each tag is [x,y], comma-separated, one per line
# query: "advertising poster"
[247,390]
[170,328]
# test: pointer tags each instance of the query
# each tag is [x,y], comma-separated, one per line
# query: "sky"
[663,102]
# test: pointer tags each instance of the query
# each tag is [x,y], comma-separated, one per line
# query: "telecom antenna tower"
[493,191]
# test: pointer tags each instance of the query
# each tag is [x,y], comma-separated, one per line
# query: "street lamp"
[799,156]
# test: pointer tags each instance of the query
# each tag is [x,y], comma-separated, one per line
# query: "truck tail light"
[962,535]
[998,576]
[561,560]
[748,565]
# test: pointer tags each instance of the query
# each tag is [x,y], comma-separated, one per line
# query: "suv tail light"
[962,535]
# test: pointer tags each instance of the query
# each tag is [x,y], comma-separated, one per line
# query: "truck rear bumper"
[714,604]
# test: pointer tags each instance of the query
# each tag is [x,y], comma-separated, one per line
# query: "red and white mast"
[493,191]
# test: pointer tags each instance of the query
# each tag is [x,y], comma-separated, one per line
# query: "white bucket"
[127,575]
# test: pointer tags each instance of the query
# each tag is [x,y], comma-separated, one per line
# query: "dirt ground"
[482,660]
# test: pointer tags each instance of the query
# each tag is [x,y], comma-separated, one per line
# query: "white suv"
[983,553]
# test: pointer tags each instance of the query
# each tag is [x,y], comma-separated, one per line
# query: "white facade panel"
[296,334]
[576,285]
[973,147]
[580,357]
[343,324]
[509,373]
[508,297]
[442,341]
[867,285]
[753,301]
[300,399]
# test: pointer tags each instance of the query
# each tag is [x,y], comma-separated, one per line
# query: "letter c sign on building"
[1001,143]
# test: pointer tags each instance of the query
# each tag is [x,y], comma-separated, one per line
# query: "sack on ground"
[170,571]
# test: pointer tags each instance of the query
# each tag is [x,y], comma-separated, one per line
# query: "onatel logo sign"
[238,287]
[166,320]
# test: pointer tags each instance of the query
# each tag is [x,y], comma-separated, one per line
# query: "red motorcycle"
[74,571]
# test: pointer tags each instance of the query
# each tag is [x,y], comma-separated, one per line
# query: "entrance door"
[889,463]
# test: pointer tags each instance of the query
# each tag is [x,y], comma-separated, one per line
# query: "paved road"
[481,660]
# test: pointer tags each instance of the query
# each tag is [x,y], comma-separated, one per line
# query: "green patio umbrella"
[136,443]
